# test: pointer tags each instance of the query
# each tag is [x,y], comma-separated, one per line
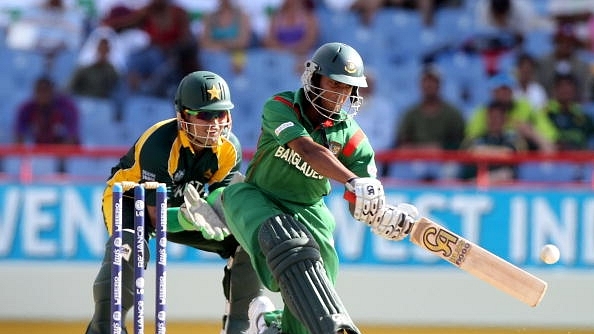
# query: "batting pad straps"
[295,261]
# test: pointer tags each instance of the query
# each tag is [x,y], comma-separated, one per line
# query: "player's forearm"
[326,164]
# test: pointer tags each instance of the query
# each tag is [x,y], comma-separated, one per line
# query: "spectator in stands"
[293,27]
[564,59]
[432,123]
[368,8]
[533,126]
[47,117]
[100,78]
[497,140]
[575,12]
[171,53]
[501,27]
[50,27]
[226,29]
[527,86]
[574,128]
[512,16]
[127,39]
[259,13]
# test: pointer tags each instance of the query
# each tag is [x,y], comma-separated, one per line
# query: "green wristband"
[214,195]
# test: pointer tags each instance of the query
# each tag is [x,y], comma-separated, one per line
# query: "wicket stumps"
[138,253]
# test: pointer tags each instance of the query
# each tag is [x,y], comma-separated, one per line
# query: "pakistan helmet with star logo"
[339,62]
[203,107]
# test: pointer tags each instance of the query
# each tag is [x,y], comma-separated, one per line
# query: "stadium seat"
[91,168]
[140,112]
[546,172]
[419,171]
[24,67]
[399,30]
[38,165]
[97,124]
[11,98]
[63,67]
[538,43]
[218,62]
[271,71]
[400,81]
[465,79]
[337,26]
[453,24]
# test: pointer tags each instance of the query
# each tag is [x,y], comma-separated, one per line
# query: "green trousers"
[247,207]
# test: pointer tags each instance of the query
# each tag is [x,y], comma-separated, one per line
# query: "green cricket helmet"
[339,62]
[203,105]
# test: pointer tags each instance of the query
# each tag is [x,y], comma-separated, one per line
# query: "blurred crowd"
[483,75]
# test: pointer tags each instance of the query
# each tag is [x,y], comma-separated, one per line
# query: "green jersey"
[280,172]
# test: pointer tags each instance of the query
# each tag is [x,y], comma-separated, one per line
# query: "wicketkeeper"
[196,156]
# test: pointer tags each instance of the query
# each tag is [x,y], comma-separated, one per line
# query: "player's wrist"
[349,192]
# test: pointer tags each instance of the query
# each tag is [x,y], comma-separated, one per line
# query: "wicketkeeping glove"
[368,195]
[196,214]
[395,222]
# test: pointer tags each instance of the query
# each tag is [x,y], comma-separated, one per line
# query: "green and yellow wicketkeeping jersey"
[279,171]
[163,154]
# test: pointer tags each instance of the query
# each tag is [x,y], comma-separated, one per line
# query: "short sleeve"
[281,118]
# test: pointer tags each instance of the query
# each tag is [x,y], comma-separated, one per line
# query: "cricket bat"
[478,261]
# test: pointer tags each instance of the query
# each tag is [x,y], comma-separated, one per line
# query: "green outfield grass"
[10,327]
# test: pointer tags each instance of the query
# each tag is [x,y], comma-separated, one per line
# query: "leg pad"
[295,261]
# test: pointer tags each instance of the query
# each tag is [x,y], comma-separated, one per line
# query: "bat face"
[478,261]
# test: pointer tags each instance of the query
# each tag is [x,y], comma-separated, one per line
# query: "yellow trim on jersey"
[178,143]
[227,157]
[185,141]
[133,174]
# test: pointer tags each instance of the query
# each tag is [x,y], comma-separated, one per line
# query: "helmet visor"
[207,115]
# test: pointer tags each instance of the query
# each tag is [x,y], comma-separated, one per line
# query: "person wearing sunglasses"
[196,155]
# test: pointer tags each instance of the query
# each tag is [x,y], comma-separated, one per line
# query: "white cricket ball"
[549,254]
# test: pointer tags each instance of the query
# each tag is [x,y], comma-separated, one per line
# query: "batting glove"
[367,194]
[395,222]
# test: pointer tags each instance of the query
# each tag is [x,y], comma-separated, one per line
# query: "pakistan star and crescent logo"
[214,92]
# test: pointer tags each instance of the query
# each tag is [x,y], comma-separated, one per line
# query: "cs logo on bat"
[449,245]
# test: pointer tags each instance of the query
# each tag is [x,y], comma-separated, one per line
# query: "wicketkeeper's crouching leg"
[101,321]
[241,284]
[295,261]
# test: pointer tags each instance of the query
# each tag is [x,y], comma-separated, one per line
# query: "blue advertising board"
[64,223]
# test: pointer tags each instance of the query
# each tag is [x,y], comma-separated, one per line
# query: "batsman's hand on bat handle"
[196,214]
[367,196]
[395,222]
